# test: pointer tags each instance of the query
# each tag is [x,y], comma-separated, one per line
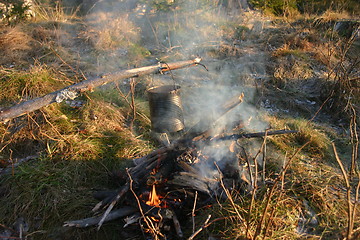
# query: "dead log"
[92,221]
[72,91]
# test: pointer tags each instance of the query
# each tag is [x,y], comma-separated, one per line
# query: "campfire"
[165,188]
[154,199]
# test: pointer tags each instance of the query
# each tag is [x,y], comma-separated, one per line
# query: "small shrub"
[276,7]
[162,5]
[15,11]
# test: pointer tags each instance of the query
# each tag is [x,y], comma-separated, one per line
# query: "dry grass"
[52,13]
[17,85]
[319,141]
[80,148]
[110,32]
[16,45]
[331,15]
[47,193]
[94,131]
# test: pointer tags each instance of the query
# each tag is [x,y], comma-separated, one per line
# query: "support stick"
[71,92]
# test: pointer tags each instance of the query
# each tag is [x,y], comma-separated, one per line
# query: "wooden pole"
[254,135]
[72,91]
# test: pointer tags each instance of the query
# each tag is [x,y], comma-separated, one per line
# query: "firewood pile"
[164,189]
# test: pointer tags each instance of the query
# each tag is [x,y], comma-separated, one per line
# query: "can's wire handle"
[171,74]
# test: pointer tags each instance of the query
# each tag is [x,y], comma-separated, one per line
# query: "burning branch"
[154,232]
[72,91]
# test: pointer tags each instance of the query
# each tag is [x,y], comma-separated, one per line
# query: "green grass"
[48,192]
[319,140]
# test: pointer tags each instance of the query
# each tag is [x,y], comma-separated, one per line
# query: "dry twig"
[193,211]
[120,194]
[205,225]
[348,195]
[254,187]
[354,142]
[267,227]
[228,194]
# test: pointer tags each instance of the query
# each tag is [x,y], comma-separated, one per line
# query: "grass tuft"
[16,45]
[24,85]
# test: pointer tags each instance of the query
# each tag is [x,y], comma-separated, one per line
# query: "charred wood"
[112,200]
[177,226]
[101,195]
[152,155]
[194,181]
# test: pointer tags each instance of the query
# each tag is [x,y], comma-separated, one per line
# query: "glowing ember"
[154,199]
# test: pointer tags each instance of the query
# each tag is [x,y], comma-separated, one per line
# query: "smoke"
[181,30]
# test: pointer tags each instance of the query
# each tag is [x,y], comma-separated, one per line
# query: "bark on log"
[87,85]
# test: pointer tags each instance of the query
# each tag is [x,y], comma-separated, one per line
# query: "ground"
[297,71]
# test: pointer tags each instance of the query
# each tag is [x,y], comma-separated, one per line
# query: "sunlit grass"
[23,85]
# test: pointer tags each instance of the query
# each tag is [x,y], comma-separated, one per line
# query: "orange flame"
[154,199]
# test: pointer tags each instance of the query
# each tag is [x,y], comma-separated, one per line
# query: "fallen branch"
[350,215]
[120,194]
[72,91]
[205,225]
[254,135]
[92,221]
